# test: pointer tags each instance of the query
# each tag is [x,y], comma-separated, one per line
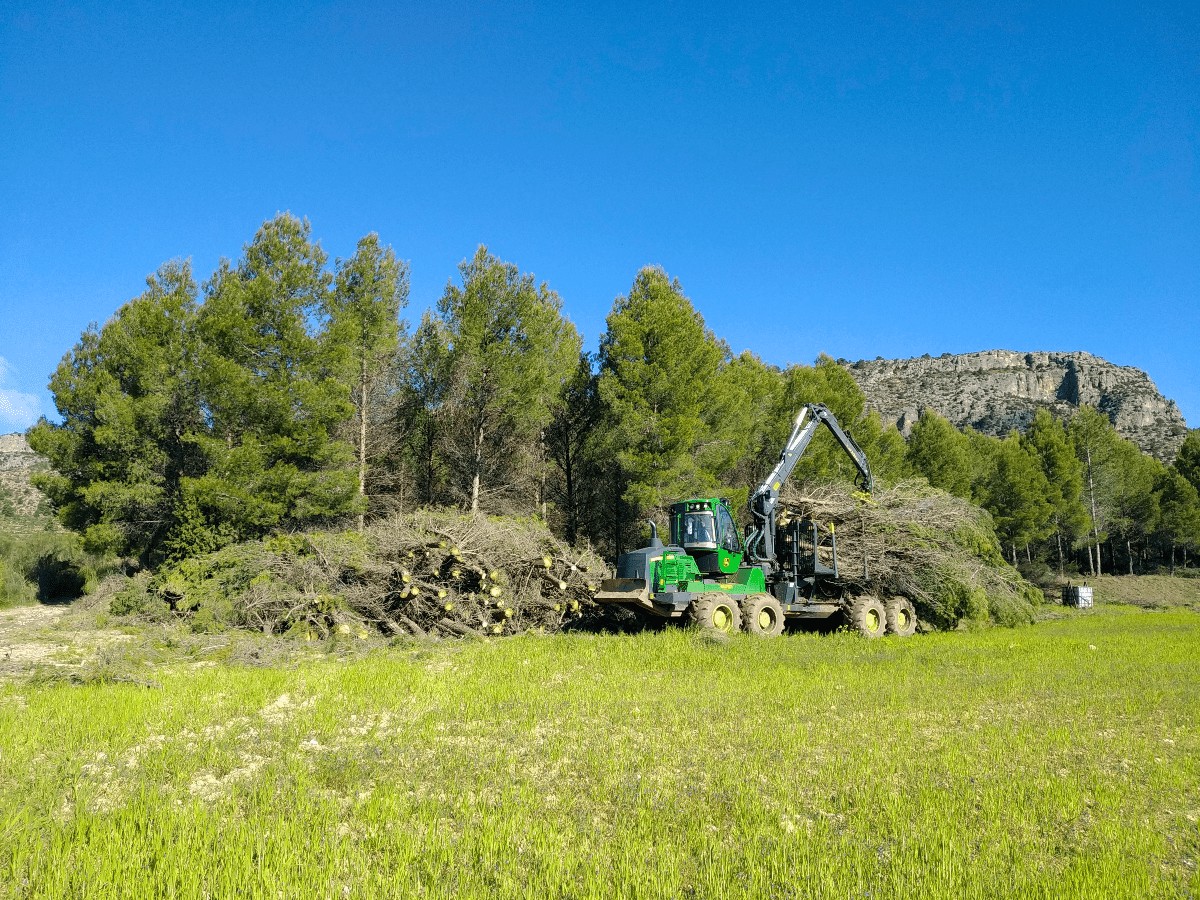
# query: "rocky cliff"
[17,463]
[995,391]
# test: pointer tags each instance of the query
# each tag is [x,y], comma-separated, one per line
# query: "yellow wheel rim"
[872,620]
[722,619]
[766,619]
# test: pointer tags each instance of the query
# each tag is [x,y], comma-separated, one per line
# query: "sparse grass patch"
[1061,760]
[1148,591]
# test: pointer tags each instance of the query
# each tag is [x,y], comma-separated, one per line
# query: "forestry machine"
[782,569]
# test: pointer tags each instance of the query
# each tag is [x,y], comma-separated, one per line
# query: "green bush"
[48,566]
[14,588]
[136,600]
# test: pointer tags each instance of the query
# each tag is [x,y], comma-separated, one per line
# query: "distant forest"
[286,393]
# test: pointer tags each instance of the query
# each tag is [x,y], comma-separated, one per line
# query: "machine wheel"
[868,616]
[762,615]
[716,614]
[901,617]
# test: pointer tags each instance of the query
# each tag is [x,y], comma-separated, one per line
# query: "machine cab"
[706,530]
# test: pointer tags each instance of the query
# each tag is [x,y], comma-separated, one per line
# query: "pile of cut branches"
[423,573]
[938,550]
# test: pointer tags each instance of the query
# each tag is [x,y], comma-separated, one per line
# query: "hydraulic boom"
[760,544]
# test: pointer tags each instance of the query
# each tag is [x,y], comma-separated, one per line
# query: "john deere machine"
[781,569]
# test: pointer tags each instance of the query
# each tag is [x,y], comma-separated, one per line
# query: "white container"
[1079,597]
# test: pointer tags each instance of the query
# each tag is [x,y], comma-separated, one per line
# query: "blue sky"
[856,179]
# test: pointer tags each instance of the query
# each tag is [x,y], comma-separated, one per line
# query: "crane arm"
[765,498]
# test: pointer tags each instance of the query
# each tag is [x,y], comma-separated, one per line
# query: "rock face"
[17,463]
[995,391]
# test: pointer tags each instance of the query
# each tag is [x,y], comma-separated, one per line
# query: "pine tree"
[1179,520]
[1135,512]
[362,337]
[982,450]
[127,401]
[1047,439]
[1094,440]
[1187,462]
[509,353]
[939,452]
[272,405]
[740,424]
[658,365]
[569,439]
[420,412]
[1016,495]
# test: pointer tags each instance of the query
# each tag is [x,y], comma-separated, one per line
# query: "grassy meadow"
[1060,760]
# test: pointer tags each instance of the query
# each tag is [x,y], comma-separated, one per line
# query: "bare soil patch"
[42,635]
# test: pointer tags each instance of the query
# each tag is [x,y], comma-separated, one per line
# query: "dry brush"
[913,540]
[419,574]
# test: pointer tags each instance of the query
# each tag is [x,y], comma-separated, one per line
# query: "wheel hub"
[872,620]
[765,620]
[721,618]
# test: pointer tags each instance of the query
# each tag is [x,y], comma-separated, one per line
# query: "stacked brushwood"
[428,573]
[916,541]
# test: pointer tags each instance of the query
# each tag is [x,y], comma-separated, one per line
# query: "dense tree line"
[287,392]
[1075,495]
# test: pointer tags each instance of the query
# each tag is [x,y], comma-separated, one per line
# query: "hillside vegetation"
[285,393]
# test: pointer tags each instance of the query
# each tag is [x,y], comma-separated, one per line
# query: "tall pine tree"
[509,352]
[941,453]
[1016,494]
[658,365]
[272,405]
[128,402]
[362,338]
[1047,439]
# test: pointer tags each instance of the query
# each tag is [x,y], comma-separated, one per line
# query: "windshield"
[699,530]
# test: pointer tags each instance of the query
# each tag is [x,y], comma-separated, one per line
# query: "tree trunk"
[542,474]
[363,382]
[1092,499]
[1172,557]
[479,435]
[569,487]
[1129,552]
[1061,565]
[618,537]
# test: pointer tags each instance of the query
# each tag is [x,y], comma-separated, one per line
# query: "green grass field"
[1061,760]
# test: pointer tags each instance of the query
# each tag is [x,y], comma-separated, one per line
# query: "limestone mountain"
[995,391]
[17,463]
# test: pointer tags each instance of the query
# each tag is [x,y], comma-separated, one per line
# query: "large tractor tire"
[762,615]
[901,617]
[717,613]
[868,616]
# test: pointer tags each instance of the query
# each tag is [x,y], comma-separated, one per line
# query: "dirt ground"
[47,635]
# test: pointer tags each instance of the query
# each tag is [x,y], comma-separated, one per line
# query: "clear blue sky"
[858,180]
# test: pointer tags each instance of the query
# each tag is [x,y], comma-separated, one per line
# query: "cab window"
[727,531]
[699,530]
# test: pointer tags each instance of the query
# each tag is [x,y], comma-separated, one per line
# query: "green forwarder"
[781,569]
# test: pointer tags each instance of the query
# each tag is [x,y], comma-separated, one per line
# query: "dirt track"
[33,636]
